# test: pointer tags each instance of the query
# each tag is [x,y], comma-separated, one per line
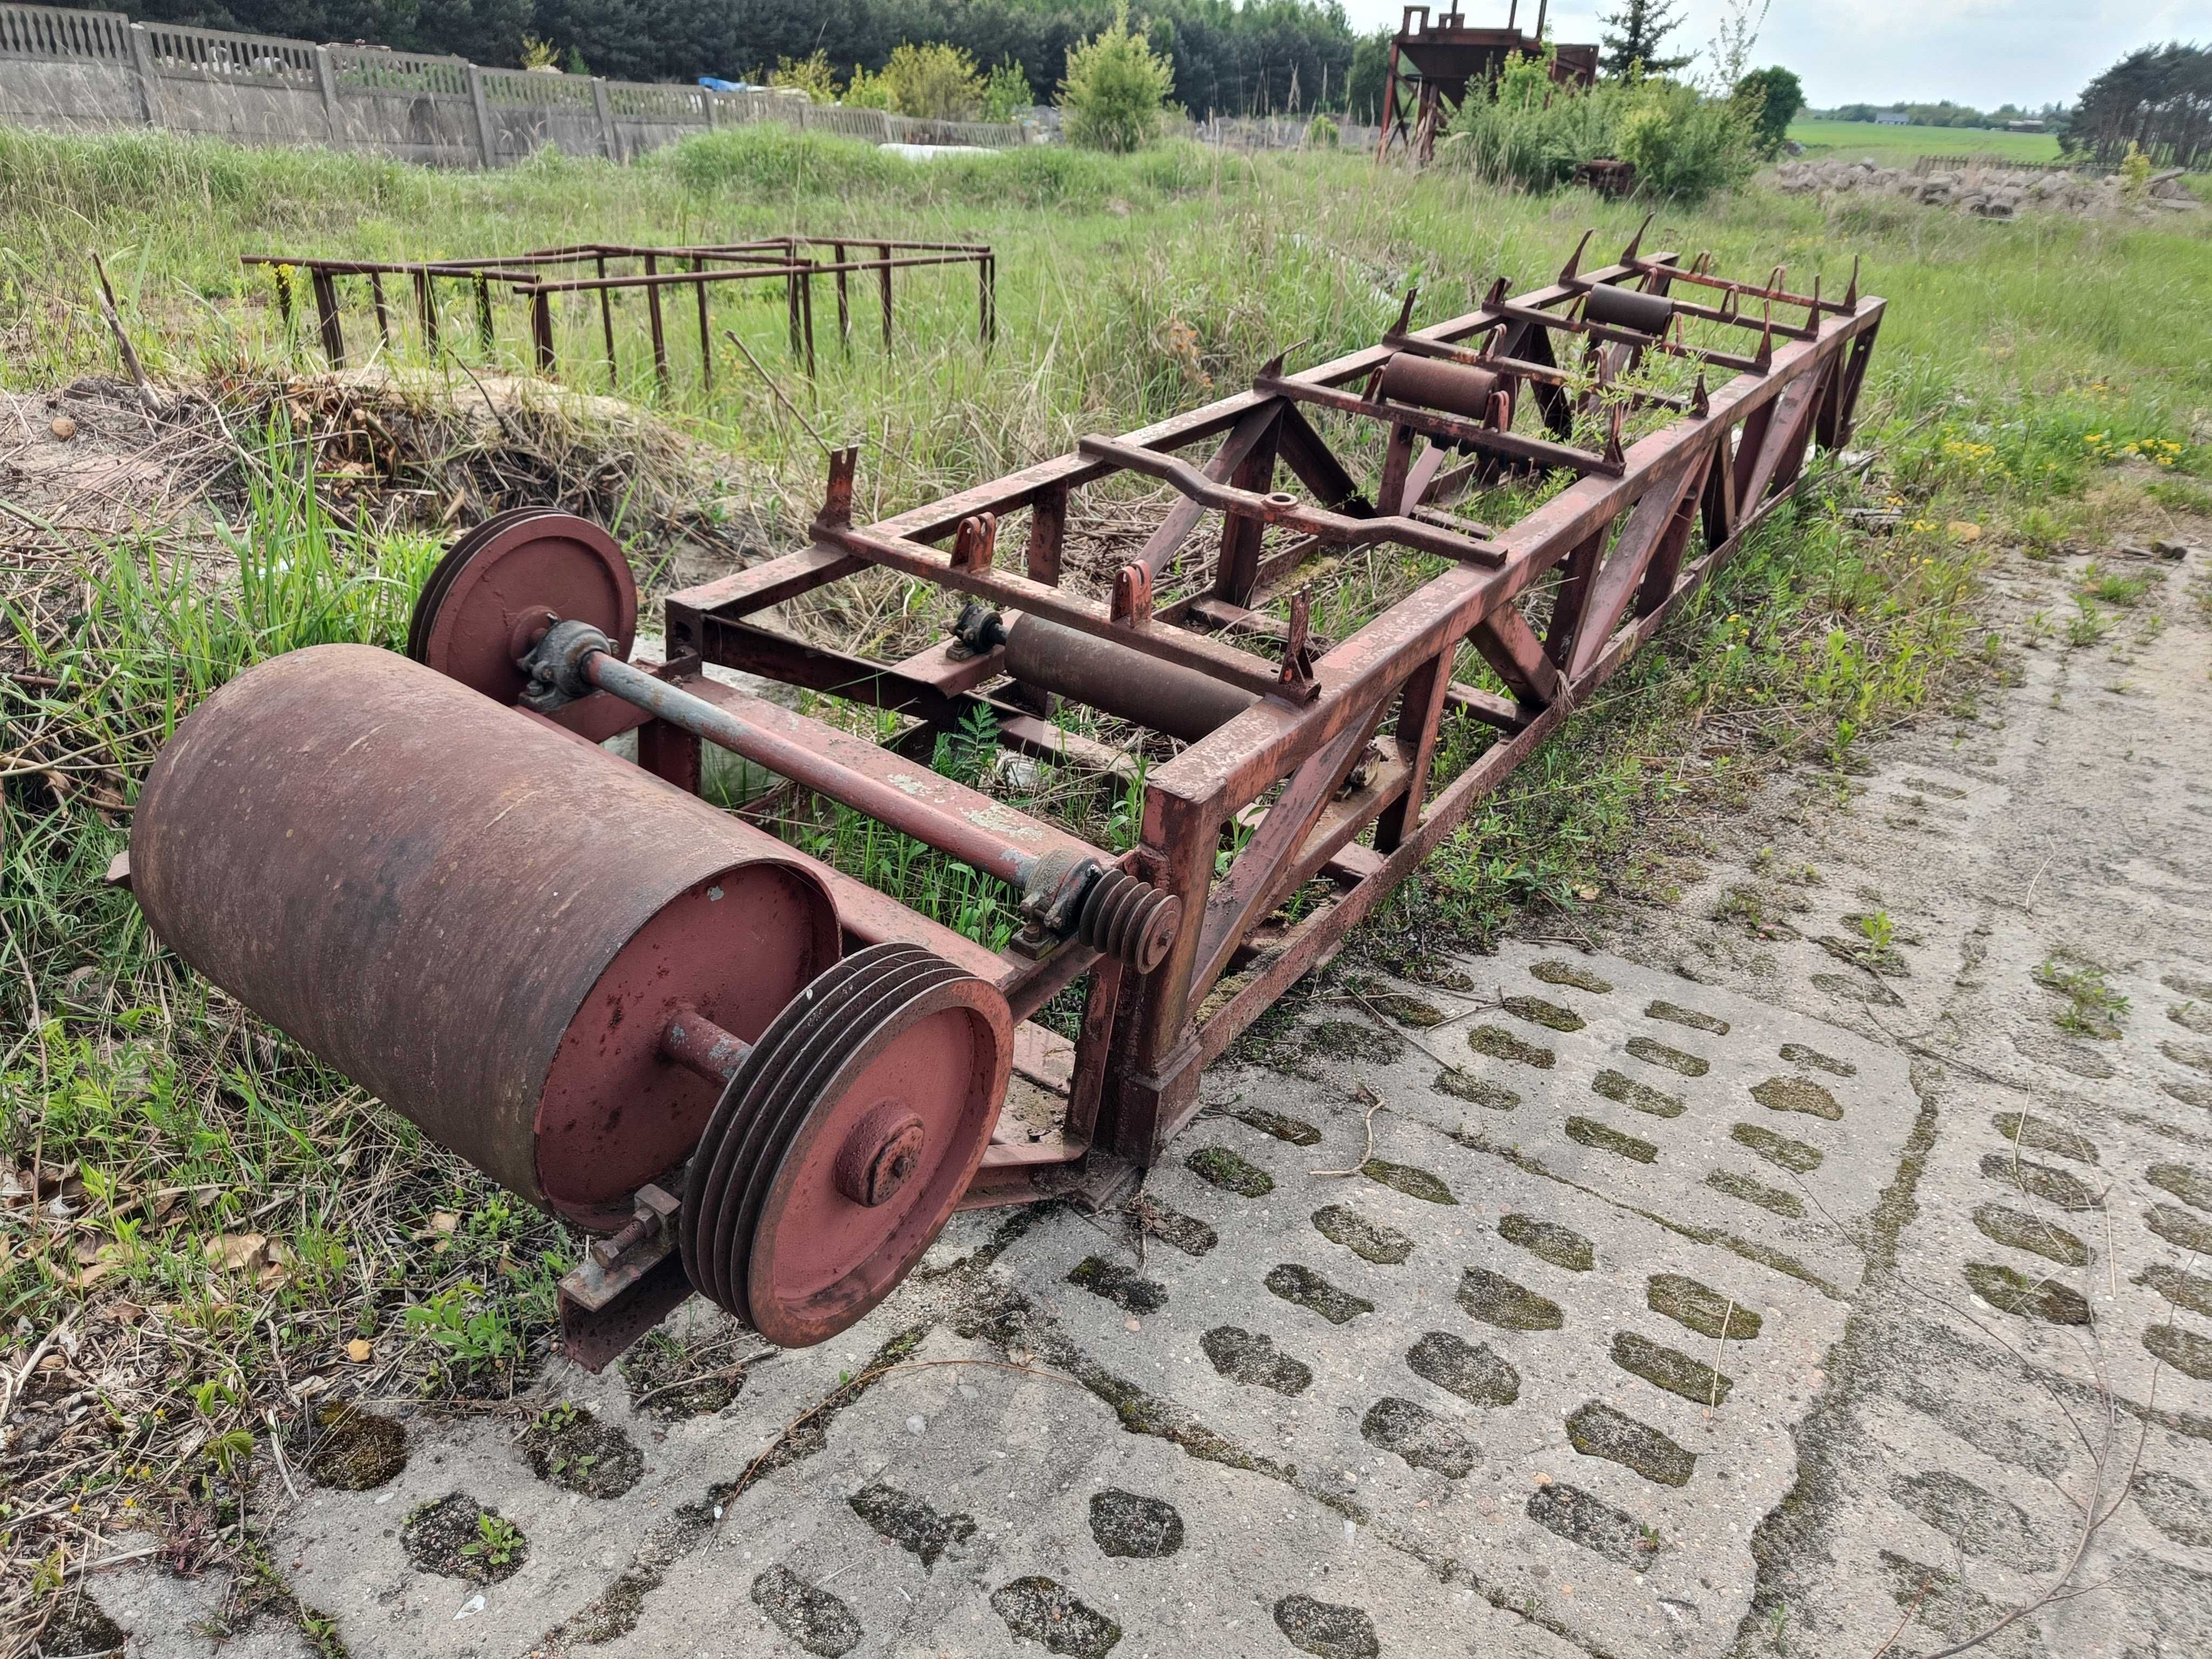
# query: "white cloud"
[1982,52]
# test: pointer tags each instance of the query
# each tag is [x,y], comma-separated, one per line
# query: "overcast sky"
[1982,52]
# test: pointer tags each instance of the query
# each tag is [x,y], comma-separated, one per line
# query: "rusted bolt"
[880,1155]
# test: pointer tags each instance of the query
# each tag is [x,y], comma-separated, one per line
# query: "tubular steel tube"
[948,833]
[1438,383]
[1626,307]
[1103,675]
[485,921]
[701,1047]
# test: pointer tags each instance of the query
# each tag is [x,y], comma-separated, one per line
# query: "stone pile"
[1988,192]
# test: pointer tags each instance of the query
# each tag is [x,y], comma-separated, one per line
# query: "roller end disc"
[845,1141]
[504,581]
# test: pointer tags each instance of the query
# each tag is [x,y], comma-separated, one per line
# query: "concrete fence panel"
[88,71]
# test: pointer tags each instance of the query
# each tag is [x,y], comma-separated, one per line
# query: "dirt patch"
[1499,1043]
[1350,1039]
[460,1538]
[2015,1292]
[2176,1507]
[1605,1139]
[2060,1187]
[1671,1370]
[1596,1429]
[1407,1011]
[1795,1094]
[1417,1434]
[1476,1091]
[2017,1230]
[1676,1014]
[353,1449]
[1219,1167]
[1771,1199]
[2179,1227]
[1549,1015]
[1467,1369]
[1327,1629]
[1566,973]
[1243,1357]
[1497,1300]
[1118,1285]
[1044,1611]
[1572,1514]
[571,1448]
[1128,1524]
[1563,1247]
[1370,1241]
[668,1381]
[81,1631]
[909,1523]
[2192,1186]
[1655,1053]
[1798,1054]
[1308,1289]
[1704,1310]
[1408,1179]
[1275,1124]
[1625,1090]
[2189,1291]
[2025,1129]
[813,1617]
[2186,1352]
[1792,1155]
[1185,1233]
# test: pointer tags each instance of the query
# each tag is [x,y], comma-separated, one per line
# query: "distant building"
[2024,126]
[1890,118]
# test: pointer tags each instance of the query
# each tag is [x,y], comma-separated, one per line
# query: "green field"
[2037,382]
[1894,145]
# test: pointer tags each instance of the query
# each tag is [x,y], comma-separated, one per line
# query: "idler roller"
[1615,306]
[1438,383]
[484,921]
[1103,675]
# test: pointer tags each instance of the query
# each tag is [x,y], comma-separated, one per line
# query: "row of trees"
[1261,55]
[2158,100]
[1945,114]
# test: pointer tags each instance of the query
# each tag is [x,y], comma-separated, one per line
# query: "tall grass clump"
[1524,128]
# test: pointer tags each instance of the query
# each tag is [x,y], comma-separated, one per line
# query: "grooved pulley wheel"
[844,1141]
[508,580]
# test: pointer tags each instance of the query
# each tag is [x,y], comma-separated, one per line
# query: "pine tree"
[1636,35]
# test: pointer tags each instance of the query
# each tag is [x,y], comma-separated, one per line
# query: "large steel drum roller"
[569,972]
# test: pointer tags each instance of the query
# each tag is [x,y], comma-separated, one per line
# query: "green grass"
[2043,379]
[1898,146]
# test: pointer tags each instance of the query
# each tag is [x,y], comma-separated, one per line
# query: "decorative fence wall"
[96,70]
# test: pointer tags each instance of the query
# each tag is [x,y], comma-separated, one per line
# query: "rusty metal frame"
[535,279]
[1330,770]
[1329,773]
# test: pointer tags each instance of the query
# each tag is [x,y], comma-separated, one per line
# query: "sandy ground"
[1735,1287]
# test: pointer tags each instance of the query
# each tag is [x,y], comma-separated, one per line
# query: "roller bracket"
[556,665]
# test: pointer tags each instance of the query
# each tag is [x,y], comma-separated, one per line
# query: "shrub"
[1769,99]
[866,91]
[810,74]
[933,82]
[1529,131]
[1006,91]
[1321,133]
[1115,89]
[1684,146]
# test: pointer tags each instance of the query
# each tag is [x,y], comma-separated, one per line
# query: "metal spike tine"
[1575,259]
[1635,242]
[1700,401]
[1852,294]
[1813,313]
[1614,452]
[1272,367]
[1496,295]
[1406,311]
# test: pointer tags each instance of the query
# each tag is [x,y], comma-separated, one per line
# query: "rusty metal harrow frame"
[605,270]
[1323,767]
